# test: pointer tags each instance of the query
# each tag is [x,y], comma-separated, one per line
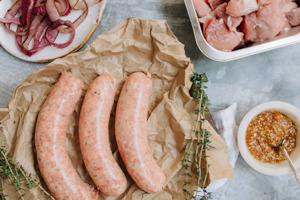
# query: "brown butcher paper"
[134,45]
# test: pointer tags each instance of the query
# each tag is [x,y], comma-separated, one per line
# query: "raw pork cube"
[248,27]
[238,8]
[203,19]
[288,5]
[215,3]
[270,21]
[218,35]
[294,17]
[231,22]
[286,26]
[264,2]
[201,8]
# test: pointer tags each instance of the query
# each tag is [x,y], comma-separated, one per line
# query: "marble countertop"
[274,75]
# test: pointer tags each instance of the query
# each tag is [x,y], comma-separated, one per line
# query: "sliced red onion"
[40,45]
[65,7]
[29,11]
[58,7]
[20,44]
[11,21]
[81,4]
[40,10]
[39,32]
[25,5]
[82,17]
[39,3]
[73,3]
[32,30]
[40,21]
[54,27]
[11,13]
[52,11]
[13,10]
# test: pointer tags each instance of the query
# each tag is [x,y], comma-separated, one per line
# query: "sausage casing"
[94,136]
[131,133]
[50,140]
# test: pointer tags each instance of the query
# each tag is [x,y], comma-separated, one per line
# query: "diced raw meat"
[203,19]
[208,19]
[294,17]
[289,6]
[286,26]
[201,8]
[231,22]
[249,25]
[241,44]
[264,2]
[270,20]
[221,10]
[218,35]
[215,3]
[238,8]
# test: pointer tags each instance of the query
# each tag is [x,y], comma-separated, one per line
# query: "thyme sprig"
[17,176]
[195,158]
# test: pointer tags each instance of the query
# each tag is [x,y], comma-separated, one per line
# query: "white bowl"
[290,37]
[267,168]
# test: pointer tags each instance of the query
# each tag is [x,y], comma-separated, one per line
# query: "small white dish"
[267,168]
[82,34]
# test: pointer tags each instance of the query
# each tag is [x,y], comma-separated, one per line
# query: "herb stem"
[199,128]
[13,174]
[201,136]
[16,174]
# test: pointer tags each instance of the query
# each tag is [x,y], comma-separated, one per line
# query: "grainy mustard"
[266,131]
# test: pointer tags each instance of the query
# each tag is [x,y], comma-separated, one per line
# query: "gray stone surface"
[274,75]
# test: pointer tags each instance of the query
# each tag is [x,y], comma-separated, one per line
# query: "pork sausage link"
[94,136]
[131,133]
[50,140]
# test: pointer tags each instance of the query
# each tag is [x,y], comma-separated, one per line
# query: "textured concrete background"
[273,75]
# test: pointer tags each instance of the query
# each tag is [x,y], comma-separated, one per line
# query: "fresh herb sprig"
[195,158]
[17,175]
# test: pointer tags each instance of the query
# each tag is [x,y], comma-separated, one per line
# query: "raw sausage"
[50,140]
[131,133]
[94,136]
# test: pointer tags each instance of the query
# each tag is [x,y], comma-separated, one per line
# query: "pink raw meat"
[270,20]
[294,17]
[215,3]
[207,21]
[208,16]
[218,35]
[201,8]
[231,22]
[249,25]
[289,5]
[264,2]
[286,26]
[238,8]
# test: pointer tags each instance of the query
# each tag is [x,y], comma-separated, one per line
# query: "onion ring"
[40,22]
[55,26]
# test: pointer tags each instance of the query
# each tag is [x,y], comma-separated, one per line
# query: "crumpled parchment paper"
[134,45]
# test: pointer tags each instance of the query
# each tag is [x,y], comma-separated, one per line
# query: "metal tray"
[290,37]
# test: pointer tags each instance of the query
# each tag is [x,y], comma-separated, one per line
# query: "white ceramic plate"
[267,168]
[83,33]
